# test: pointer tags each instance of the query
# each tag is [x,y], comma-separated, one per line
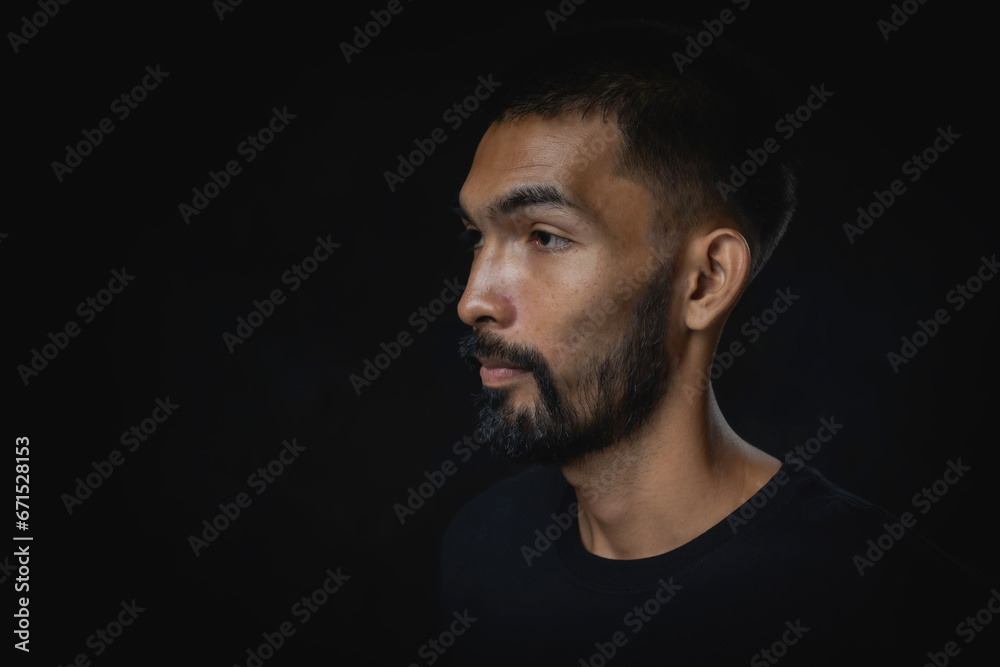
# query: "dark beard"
[614,396]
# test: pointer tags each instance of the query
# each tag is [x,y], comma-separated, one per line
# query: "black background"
[324,175]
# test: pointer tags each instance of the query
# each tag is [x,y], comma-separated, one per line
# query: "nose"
[487,300]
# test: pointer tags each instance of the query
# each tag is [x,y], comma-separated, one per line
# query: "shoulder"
[507,506]
[802,523]
[891,585]
[815,502]
[799,500]
[480,549]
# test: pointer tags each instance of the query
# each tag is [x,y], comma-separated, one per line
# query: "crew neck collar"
[626,576]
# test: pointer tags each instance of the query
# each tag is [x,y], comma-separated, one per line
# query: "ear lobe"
[720,266]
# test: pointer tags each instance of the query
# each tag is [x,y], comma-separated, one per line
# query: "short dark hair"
[683,122]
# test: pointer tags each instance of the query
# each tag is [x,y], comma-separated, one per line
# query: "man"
[609,247]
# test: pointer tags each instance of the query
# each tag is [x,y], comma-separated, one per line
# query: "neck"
[682,474]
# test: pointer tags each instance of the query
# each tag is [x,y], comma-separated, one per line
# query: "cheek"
[581,311]
[589,331]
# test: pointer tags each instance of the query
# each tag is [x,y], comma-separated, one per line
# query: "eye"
[546,240]
[470,239]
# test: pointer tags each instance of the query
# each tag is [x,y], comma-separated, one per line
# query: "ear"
[716,268]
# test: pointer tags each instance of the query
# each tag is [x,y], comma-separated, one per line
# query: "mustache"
[493,346]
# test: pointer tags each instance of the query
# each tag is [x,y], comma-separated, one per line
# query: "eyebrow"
[521,197]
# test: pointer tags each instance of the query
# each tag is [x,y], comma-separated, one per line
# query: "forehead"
[574,154]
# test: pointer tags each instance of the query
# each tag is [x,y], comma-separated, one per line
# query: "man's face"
[565,285]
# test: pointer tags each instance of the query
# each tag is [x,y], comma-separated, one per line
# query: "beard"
[607,401]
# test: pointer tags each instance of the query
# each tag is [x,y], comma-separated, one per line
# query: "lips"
[491,364]
[495,371]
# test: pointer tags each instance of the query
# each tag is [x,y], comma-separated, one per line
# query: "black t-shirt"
[802,573]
